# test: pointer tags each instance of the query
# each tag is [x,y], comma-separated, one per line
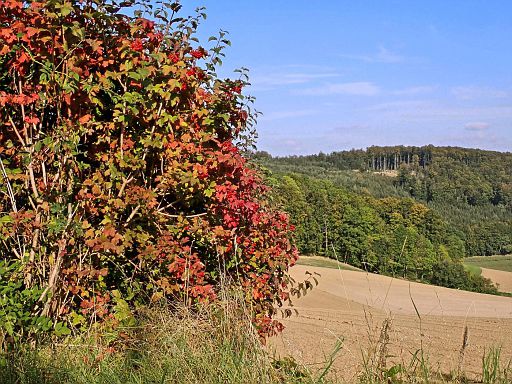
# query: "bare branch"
[9,188]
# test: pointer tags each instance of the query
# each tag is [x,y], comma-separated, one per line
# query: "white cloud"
[270,78]
[476,139]
[289,78]
[401,106]
[383,55]
[471,93]
[476,126]
[418,90]
[361,88]
[348,128]
[434,111]
[286,115]
[386,56]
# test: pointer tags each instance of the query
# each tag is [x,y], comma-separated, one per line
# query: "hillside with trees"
[394,236]
[414,212]
[468,188]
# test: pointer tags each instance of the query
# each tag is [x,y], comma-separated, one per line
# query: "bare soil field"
[351,306]
[502,278]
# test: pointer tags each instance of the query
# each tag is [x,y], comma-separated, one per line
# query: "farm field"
[502,279]
[496,268]
[352,306]
[501,263]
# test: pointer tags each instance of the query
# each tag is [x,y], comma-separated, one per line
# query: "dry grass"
[214,344]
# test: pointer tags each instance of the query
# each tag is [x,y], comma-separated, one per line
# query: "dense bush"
[453,275]
[122,177]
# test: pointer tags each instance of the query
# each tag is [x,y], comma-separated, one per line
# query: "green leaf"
[66,9]
[9,328]
[5,219]
[143,72]
[61,329]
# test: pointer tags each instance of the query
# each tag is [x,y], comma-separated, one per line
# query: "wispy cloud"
[477,139]
[360,88]
[304,142]
[383,55]
[476,126]
[472,93]
[287,115]
[289,78]
[401,106]
[290,75]
[386,56]
[418,90]
[429,110]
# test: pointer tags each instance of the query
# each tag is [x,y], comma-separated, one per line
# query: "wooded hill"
[471,189]
[411,211]
[429,173]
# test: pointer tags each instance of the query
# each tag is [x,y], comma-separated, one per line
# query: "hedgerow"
[122,175]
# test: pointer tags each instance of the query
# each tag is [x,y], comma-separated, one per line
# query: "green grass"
[473,269]
[494,369]
[324,262]
[501,263]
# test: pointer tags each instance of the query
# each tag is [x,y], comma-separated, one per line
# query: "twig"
[20,138]
[185,216]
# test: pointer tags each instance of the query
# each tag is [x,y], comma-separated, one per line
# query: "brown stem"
[123,186]
[32,255]
[52,281]
[18,134]
[32,178]
[135,210]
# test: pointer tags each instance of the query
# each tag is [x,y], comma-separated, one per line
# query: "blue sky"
[334,75]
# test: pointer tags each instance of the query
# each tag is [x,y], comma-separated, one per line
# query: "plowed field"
[352,306]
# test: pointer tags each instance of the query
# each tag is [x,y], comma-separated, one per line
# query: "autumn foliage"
[122,175]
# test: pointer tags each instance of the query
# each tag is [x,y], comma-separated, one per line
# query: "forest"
[414,212]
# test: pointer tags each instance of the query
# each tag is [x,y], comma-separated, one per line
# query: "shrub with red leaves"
[123,178]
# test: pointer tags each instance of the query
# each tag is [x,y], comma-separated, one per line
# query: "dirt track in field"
[352,306]
[502,278]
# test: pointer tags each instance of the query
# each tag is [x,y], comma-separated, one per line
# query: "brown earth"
[502,278]
[352,306]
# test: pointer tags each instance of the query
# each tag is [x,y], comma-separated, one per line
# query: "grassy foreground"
[187,348]
[212,346]
[215,344]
